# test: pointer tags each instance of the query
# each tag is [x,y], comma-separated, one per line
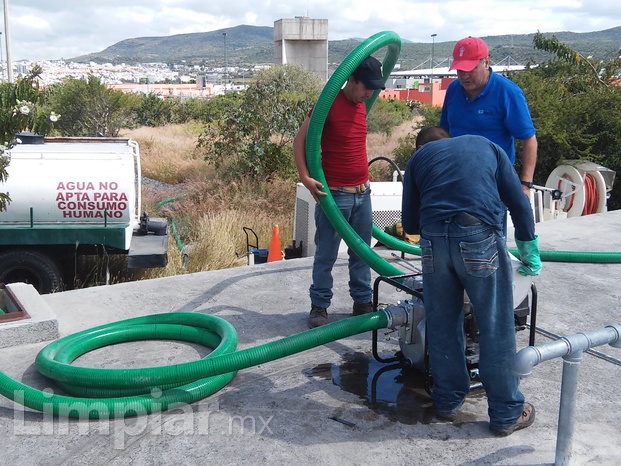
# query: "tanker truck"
[72,197]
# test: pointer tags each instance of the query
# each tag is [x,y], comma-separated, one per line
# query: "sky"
[54,29]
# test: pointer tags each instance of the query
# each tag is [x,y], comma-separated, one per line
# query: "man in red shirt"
[345,165]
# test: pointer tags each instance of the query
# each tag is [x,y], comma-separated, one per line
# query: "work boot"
[318,316]
[522,422]
[362,308]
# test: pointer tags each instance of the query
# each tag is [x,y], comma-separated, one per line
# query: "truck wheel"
[32,267]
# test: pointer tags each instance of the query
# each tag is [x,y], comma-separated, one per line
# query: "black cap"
[370,73]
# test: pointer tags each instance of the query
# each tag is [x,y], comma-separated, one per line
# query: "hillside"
[255,44]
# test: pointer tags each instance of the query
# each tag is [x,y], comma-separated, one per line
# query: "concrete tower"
[302,41]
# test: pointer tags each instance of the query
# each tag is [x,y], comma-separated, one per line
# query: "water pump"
[413,351]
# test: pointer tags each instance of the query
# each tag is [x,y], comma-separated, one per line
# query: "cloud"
[52,29]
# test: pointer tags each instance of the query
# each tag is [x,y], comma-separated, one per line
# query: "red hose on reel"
[591,195]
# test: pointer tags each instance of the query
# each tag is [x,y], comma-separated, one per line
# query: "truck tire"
[32,267]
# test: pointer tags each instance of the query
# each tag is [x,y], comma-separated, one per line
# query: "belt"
[358,189]
[466,219]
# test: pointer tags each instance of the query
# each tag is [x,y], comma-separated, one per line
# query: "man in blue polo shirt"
[484,103]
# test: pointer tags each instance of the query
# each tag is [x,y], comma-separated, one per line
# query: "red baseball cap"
[467,53]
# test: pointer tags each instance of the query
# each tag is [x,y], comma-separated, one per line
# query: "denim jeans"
[458,254]
[356,209]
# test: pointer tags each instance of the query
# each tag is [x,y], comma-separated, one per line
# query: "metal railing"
[571,349]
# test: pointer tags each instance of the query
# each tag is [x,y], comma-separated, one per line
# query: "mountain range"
[247,45]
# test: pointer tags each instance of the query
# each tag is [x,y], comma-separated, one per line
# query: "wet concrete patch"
[388,389]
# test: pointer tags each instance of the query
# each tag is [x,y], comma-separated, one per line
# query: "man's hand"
[315,187]
[526,190]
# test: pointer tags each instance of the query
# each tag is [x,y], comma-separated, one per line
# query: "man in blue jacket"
[454,195]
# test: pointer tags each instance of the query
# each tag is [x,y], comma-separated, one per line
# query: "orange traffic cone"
[275,253]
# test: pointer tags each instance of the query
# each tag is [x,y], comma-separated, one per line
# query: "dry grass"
[383,145]
[168,153]
[209,214]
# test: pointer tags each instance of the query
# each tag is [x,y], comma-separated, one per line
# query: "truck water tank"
[69,183]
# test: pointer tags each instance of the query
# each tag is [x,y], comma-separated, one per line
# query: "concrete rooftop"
[333,404]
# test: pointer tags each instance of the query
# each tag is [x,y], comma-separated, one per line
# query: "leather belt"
[359,189]
[467,219]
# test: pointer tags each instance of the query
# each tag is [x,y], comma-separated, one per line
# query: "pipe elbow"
[525,360]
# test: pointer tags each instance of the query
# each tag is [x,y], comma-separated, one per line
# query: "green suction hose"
[175,232]
[597,257]
[583,257]
[114,393]
[313,140]
[546,255]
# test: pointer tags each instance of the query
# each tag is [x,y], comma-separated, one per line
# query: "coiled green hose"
[114,393]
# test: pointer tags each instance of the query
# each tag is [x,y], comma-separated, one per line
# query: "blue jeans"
[458,254]
[356,209]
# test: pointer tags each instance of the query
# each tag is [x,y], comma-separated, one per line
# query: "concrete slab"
[39,322]
[333,404]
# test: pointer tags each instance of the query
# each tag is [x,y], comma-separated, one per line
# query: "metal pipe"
[567,410]
[554,336]
[528,357]
[571,349]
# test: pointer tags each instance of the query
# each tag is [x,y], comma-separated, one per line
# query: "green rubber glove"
[529,255]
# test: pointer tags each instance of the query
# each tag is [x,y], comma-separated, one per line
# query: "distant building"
[165,91]
[417,84]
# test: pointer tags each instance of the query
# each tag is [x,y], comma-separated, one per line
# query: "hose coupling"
[397,316]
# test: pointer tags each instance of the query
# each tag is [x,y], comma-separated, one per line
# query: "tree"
[21,109]
[90,108]
[153,111]
[254,134]
[585,69]
[576,108]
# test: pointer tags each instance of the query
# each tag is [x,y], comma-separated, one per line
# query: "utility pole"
[225,64]
[433,40]
[7,41]
[1,60]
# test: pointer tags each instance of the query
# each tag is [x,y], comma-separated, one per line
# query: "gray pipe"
[571,349]
[528,357]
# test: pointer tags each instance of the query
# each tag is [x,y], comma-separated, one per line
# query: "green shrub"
[253,135]
[386,114]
